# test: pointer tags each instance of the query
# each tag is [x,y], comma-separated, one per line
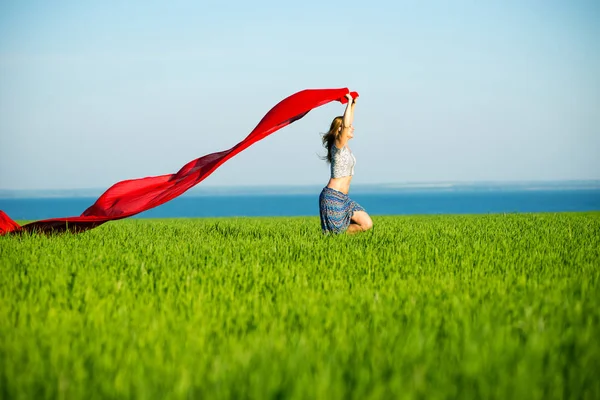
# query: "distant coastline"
[259,190]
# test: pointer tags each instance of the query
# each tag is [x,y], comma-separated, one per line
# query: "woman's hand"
[349,97]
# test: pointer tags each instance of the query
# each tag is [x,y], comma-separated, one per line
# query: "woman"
[338,212]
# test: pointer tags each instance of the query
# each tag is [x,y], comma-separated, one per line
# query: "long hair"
[331,135]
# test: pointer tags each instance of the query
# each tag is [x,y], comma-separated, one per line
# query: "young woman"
[339,213]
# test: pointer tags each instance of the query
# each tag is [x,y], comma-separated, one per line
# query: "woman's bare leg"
[360,222]
[354,228]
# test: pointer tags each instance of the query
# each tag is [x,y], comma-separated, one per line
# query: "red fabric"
[130,197]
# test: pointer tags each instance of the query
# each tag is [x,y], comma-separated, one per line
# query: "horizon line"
[302,188]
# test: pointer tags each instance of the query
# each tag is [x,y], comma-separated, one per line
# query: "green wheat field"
[422,307]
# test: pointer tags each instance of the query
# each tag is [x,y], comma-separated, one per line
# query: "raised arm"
[347,127]
[352,110]
[349,113]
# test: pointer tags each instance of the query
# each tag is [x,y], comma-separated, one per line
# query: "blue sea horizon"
[396,199]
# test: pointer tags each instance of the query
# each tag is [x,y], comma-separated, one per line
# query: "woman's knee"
[367,223]
[363,219]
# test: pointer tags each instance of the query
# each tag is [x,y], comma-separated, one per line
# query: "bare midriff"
[340,184]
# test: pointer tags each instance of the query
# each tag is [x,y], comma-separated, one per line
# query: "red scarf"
[130,197]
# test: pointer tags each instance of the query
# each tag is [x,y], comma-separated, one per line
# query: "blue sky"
[96,92]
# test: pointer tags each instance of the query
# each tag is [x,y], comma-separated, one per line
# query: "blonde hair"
[331,135]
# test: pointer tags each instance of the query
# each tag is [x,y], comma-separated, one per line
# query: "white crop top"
[342,162]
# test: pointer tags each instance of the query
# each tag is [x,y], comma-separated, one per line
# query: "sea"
[383,199]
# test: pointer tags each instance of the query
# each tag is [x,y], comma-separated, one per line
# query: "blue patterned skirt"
[336,210]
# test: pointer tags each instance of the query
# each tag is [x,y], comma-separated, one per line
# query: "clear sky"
[96,92]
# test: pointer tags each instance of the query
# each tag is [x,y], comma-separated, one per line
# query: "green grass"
[432,307]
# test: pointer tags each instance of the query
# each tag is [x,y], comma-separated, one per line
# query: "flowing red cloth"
[130,197]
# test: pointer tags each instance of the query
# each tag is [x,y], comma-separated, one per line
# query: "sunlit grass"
[489,306]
